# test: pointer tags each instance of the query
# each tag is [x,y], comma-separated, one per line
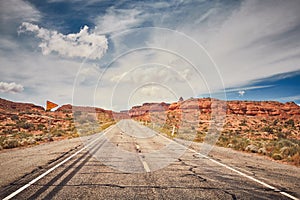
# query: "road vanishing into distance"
[131,161]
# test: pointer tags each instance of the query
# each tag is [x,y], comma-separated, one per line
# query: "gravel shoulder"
[15,163]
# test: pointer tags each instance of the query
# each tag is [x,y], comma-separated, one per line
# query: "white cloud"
[118,20]
[152,73]
[241,92]
[88,74]
[43,77]
[250,40]
[256,41]
[290,98]
[11,87]
[248,88]
[82,44]
[17,10]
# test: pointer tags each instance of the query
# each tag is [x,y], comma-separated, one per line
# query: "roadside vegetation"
[272,137]
[278,139]
[33,128]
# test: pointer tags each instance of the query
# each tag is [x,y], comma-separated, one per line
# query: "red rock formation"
[263,108]
[143,110]
[206,105]
[13,106]
[65,108]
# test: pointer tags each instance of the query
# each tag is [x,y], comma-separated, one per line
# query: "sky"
[117,54]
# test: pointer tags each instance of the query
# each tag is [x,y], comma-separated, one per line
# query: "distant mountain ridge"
[266,127]
[248,108]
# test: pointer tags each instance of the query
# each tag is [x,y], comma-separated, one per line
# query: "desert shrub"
[21,135]
[296,159]
[57,133]
[240,143]
[28,112]
[243,123]
[281,135]
[8,131]
[290,123]
[10,143]
[223,140]
[199,137]
[275,122]
[285,143]
[24,125]
[14,117]
[252,148]
[277,156]
[41,127]
[293,150]
[267,129]
[28,126]
[2,141]
[38,138]
[31,141]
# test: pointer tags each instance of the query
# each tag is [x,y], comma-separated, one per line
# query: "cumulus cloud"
[11,87]
[249,40]
[241,92]
[83,44]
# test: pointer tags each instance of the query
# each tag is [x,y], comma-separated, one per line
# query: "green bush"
[267,129]
[275,122]
[277,156]
[285,143]
[240,143]
[24,125]
[21,135]
[290,123]
[41,127]
[10,143]
[243,123]
[14,117]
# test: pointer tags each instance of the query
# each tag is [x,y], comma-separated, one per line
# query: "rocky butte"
[267,127]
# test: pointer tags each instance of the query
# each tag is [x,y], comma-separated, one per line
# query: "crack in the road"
[201,179]
[141,186]
[192,170]
[231,194]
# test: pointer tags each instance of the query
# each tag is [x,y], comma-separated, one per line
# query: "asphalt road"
[130,161]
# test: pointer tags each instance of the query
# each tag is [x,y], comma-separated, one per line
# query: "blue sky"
[115,54]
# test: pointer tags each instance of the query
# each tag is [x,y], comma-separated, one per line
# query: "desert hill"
[266,127]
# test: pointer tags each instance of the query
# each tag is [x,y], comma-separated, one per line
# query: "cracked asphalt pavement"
[130,161]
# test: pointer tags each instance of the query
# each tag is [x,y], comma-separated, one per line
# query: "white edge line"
[146,167]
[236,171]
[246,176]
[53,168]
